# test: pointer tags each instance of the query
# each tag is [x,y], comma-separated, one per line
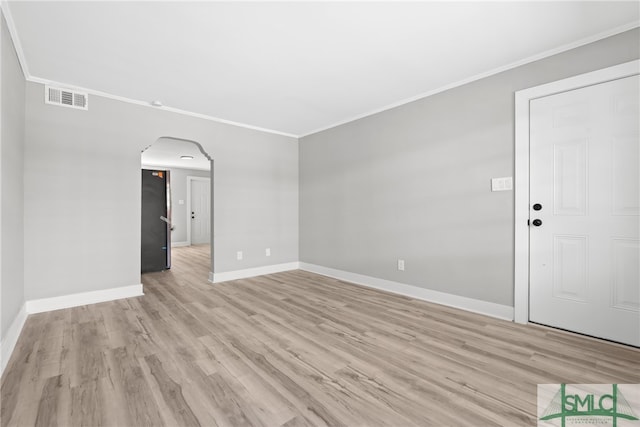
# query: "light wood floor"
[288,349]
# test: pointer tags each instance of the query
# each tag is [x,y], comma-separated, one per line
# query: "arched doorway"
[177,205]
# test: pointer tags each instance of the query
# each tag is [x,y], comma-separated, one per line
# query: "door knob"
[537,222]
[537,207]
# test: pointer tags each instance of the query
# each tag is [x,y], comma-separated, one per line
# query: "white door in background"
[199,215]
[584,175]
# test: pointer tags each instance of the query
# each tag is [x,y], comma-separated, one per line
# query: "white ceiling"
[290,67]
[166,152]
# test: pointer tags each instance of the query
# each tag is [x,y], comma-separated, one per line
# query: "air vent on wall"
[66,97]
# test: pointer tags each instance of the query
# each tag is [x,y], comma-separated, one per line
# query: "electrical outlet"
[239,255]
[401,264]
[267,252]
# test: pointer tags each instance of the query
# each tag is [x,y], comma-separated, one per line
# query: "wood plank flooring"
[288,349]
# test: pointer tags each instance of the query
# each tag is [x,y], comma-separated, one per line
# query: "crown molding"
[584,41]
[537,57]
[94,92]
[6,11]
[4,6]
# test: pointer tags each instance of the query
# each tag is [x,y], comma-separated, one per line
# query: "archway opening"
[177,207]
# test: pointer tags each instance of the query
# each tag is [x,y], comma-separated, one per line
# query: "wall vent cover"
[66,97]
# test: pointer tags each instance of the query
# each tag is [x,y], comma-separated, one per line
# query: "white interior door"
[584,175]
[200,210]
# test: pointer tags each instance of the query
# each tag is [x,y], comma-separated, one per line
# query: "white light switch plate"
[239,255]
[502,184]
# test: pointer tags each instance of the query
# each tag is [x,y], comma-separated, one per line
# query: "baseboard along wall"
[56,303]
[469,304]
[10,339]
[499,311]
[252,272]
[83,298]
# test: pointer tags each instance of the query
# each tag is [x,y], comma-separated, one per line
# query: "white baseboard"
[476,306]
[252,272]
[469,304]
[179,244]
[10,339]
[56,303]
[83,298]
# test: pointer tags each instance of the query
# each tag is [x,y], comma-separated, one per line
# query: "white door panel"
[584,172]
[200,211]
[626,193]
[625,274]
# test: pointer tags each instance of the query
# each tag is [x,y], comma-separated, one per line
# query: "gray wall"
[82,192]
[12,88]
[414,182]
[179,192]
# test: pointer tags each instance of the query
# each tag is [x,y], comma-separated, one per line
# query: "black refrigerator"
[156,221]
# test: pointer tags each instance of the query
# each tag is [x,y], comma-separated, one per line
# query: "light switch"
[502,184]
[181,202]
[239,255]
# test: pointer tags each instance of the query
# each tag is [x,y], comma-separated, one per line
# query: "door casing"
[190,179]
[521,170]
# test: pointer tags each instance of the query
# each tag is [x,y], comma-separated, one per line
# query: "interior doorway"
[199,210]
[188,218]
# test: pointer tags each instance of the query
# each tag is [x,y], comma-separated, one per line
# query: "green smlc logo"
[588,408]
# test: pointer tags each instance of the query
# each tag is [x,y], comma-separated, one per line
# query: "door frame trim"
[521,168]
[190,179]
